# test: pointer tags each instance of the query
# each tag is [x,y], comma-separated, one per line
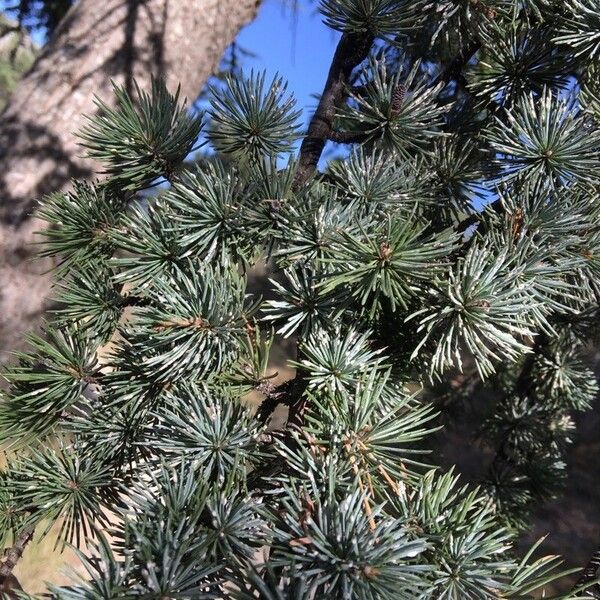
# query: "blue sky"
[298,47]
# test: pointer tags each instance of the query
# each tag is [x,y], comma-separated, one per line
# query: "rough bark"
[96,41]
[351,50]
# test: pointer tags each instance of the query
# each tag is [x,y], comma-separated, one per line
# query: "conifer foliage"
[456,232]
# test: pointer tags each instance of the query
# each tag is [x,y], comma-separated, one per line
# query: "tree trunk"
[182,41]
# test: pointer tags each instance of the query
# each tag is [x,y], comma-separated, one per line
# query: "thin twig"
[132,300]
[14,553]
[347,137]
[589,574]
[289,394]
[366,504]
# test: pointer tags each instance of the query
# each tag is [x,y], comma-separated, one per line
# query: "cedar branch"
[11,558]
[352,49]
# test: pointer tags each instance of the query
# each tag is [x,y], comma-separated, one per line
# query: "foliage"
[38,14]
[459,234]
[17,54]
[378,17]
[249,121]
[140,145]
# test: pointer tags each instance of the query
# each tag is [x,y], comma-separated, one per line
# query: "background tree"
[17,53]
[94,43]
[450,255]
[38,15]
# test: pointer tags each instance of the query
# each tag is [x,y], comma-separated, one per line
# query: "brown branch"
[290,394]
[352,49]
[8,582]
[347,137]
[9,587]
[589,573]
[132,300]
[14,553]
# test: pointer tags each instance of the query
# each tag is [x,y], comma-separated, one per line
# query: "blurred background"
[55,55]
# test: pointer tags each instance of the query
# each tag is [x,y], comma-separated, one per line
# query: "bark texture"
[182,41]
